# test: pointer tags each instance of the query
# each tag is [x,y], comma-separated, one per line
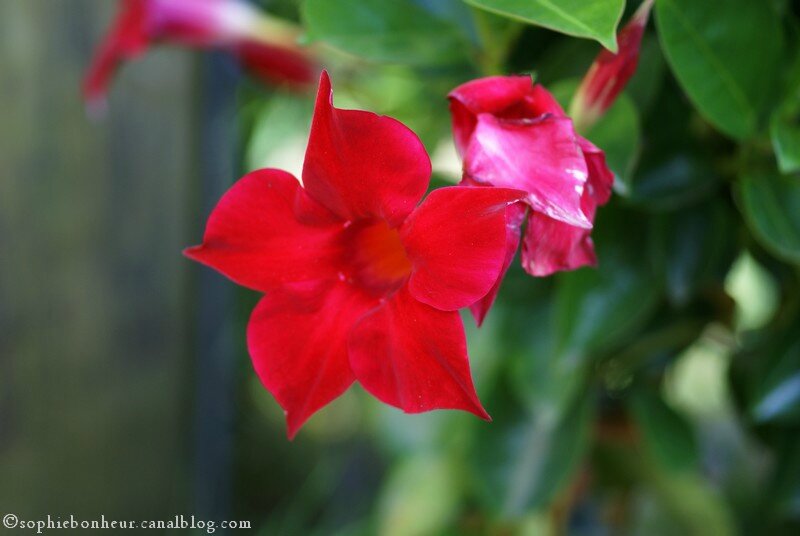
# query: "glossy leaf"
[400,31]
[593,19]
[771,206]
[724,54]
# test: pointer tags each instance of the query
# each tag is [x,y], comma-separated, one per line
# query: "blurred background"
[658,394]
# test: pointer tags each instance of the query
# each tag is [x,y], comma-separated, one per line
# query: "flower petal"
[491,94]
[414,357]
[266,231]
[552,246]
[601,179]
[297,337]
[456,242]
[609,74]
[277,64]
[127,38]
[541,157]
[362,165]
[515,216]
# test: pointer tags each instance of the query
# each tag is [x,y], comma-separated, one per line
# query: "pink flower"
[513,134]
[610,72]
[265,47]
[361,282]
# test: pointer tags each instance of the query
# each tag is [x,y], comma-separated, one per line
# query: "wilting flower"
[512,133]
[360,282]
[610,72]
[266,47]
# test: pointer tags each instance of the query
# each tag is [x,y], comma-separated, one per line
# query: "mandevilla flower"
[361,284]
[610,72]
[266,47]
[512,133]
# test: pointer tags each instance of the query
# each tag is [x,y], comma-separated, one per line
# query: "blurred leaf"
[778,391]
[618,134]
[785,125]
[693,247]
[279,134]
[782,399]
[420,497]
[538,375]
[524,459]
[667,435]
[415,99]
[771,206]
[598,308]
[594,19]
[725,55]
[666,336]
[645,84]
[785,132]
[690,507]
[677,182]
[559,60]
[697,381]
[675,167]
[400,31]
[784,489]
[755,292]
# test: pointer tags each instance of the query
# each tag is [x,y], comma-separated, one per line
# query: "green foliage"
[725,55]
[771,206]
[400,31]
[594,19]
[666,434]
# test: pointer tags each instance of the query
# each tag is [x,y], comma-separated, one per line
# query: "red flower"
[361,283]
[512,133]
[610,72]
[264,46]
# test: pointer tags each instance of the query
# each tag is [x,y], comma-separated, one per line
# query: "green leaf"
[279,135]
[785,124]
[693,247]
[725,55]
[771,206]
[618,134]
[525,458]
[399,31]
[784,129]
[593,19]
[679,181]
[648,79]
[667,435]
[406,507]
[778,395]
